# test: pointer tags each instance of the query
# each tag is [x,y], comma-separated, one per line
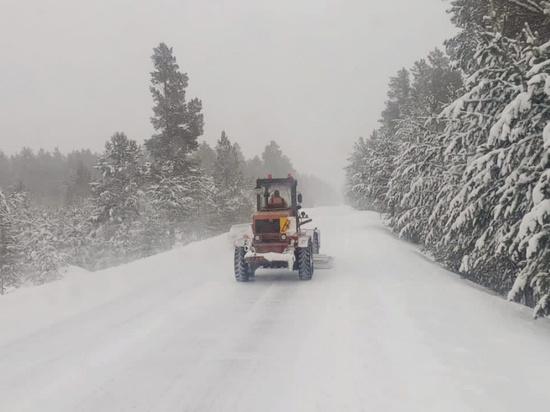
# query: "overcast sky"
[310,74]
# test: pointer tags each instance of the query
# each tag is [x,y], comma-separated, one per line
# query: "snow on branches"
[471,181]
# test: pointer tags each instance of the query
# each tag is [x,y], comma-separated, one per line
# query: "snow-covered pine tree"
[178,123]
[173,198]
[227,170]
[490,217]
[150,233]
[518,149]
[397,106]
[10,248]
[372,162]
[41,236]
[471,17]
[233,197]
[77,231]
[385,142]
[354,188]
[462,215]
[384,149]
[369,170]
[416,178]
[116,197]
[202,218]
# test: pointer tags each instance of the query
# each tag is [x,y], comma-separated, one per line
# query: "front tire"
[242,269]
[305,262]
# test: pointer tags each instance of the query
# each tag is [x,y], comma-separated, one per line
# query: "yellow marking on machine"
[284,224]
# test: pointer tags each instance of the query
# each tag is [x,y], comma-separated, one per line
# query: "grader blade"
[322,261]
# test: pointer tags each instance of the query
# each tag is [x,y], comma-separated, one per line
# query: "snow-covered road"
[384,330]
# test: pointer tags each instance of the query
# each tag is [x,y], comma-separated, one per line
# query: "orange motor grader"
[278,238]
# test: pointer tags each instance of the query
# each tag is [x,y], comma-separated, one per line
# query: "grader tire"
[242,269]
[305,262]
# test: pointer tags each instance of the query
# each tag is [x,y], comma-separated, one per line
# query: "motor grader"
[278,238]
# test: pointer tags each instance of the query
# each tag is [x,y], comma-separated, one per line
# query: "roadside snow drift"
[385,329]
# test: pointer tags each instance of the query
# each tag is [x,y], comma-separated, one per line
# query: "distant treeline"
[57,179]
[51,179]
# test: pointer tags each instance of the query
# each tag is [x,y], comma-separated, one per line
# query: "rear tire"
[305,262]
[242,269]
[316,243]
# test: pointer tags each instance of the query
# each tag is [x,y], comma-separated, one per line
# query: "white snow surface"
[546,135]
[385,329]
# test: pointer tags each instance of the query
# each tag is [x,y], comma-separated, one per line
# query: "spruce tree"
[204,210]
[77,233]
[368,172]
[233,196]
[150,233]
[116,195]
[464,206]
[10,248]
[354,186]
[397,105]
[416,178]
[41,235]
[371,166]
[178,124]
[471,16]
[517,149]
